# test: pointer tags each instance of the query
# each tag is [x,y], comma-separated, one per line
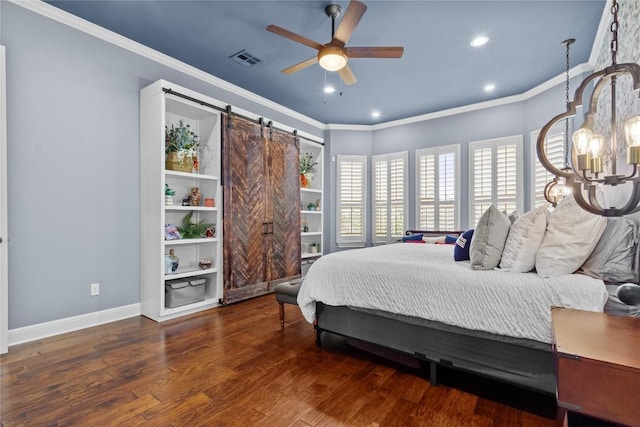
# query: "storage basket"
[181,292]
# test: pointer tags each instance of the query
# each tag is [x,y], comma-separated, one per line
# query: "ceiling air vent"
[244,58]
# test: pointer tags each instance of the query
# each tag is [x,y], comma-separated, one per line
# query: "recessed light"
[375,114]
[329,89]
[479,41]
[489,87]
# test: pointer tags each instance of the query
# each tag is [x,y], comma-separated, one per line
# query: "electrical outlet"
[95,289]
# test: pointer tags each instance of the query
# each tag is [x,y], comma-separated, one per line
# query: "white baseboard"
[69,324]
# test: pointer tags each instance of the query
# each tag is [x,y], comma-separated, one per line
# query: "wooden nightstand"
[597,365]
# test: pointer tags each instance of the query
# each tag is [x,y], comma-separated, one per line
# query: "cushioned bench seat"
[287,293]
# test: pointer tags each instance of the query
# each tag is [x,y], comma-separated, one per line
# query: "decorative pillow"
[513,216]
[450,240]
[572,234]
[463,243]
[489,239]
[615,257]
[523,241]
[412,237]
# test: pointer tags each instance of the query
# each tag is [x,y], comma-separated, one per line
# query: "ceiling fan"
[333,56]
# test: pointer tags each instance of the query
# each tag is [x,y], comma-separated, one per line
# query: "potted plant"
[307,166]
[168,195]
[181,147]
[195,230]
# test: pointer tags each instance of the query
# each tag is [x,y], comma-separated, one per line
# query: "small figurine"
[195,197]
[205,263]
[210,232]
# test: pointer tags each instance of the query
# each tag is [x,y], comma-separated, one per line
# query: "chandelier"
[557,189]
[587,175]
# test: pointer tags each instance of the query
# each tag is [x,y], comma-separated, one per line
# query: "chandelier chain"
[614,31]
[566,122]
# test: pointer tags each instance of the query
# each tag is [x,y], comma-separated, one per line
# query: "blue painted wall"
[73,165]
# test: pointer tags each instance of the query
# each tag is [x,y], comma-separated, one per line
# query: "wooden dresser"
[598,365]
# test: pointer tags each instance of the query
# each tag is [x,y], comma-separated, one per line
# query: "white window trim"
[555,129]
[404,155]
[455,148]
[494,143]
[344,241]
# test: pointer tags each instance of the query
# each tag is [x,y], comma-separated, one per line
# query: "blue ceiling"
[439,69]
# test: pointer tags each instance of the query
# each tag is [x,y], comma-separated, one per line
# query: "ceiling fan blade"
[375,52]
[301,65]
[347,75]
[293,36]
[349,21]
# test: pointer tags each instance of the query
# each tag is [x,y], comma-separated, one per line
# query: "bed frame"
[528,364]
[525,363]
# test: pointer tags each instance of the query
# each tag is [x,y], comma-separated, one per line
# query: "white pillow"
[571,235]
[488,239]
[523,241]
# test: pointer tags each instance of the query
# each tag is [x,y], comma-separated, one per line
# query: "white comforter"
[424,281]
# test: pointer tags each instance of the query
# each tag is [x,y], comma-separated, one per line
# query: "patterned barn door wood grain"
[245,238]
[284,158]
[261,209]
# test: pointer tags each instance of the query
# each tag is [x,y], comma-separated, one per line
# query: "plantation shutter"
[390,201]
[496,176]
[436,190]
[350,206]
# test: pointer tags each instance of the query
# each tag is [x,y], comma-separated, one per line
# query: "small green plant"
[193,230]
[307,164]
[168,191]
[181,138]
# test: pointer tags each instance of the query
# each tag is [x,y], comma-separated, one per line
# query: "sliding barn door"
[245,210]
[284,203]
[261,208]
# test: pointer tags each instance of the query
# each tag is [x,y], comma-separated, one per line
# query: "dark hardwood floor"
[234,366]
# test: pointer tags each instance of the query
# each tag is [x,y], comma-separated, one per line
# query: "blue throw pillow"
[463,243]
[450,240]
[412,237]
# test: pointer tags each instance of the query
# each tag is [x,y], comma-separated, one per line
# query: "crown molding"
[109,36]
[348,127]
[559,79]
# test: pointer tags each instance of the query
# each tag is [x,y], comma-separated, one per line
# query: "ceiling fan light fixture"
[332,58]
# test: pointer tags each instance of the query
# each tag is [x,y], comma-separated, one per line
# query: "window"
[555,154]
[351,176]
[390,196]
[495,176]
[437,180]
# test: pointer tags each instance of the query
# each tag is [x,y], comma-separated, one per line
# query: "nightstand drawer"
[599,389]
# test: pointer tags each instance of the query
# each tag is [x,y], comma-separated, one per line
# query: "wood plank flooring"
[234,366]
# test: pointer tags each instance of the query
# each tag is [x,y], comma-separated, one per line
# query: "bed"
[484,304]
[417,300]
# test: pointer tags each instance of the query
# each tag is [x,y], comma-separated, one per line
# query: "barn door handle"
[265,228]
